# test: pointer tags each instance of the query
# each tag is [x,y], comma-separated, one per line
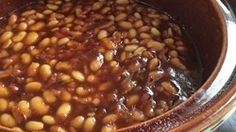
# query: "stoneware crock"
[211,24]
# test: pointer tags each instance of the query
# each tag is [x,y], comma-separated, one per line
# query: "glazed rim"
[221,107]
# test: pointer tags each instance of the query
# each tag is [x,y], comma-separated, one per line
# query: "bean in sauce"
[96,65]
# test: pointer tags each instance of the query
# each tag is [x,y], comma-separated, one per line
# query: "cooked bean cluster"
[95,65]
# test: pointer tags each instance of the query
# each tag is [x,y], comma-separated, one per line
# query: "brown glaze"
[205,25]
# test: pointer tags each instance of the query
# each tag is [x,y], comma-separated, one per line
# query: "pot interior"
[203,25]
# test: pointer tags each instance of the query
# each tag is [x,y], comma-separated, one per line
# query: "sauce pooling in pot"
[91,66]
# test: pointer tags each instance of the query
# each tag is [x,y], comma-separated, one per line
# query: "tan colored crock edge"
[214,114]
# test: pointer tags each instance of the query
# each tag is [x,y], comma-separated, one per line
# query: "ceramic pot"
[211,24]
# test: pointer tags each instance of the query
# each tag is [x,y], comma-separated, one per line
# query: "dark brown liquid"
[168,85]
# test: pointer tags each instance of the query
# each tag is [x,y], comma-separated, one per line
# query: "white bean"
[48,120]
[3,104]
[22,26]
[125,24]
[37,26]
[110,118]
[120,17]
[78,75]
[102,34]
[34,125]
[63,41]
[77,122]
[45,71]
[156,45]
[63,111]
[5,36]
[31,38]
[7,120]
[3,91]
[33,86]
[89,124]
[12,19]
[19,37]
[38,106]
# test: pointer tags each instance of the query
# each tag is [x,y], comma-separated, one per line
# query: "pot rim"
[226,103]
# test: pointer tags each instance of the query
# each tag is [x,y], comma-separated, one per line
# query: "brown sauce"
[91,66]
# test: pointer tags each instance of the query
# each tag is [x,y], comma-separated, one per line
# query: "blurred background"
[230,124]
[233,2]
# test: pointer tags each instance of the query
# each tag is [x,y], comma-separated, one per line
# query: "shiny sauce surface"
[91,66]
